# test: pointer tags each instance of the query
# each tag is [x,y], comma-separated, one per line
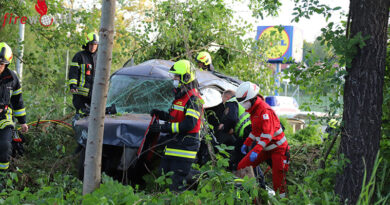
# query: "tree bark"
[363,96]
[93,155]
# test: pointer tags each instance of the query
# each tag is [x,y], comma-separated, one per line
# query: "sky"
[310,28]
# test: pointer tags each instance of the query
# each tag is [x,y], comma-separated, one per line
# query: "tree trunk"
[363,96]
[93,155]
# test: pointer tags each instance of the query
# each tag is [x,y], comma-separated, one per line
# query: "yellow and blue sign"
[280,41]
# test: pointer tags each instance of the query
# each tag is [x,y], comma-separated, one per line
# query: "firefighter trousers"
[80,102]
[280,162]
[180,167]
[5,147]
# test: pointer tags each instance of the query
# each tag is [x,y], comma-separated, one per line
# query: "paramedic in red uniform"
[267,134]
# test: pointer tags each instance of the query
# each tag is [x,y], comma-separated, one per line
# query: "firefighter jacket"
[185,124]
[266,128]
[235,117]
[11,101]
[82,72]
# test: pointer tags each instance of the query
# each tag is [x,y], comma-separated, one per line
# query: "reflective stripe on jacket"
[179,112]
[266,128]
[186,115]
[82,71]
[11,101]
[243,118]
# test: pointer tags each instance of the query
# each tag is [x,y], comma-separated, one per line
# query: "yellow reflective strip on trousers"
[180,153]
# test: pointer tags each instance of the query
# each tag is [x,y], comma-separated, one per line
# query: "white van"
[283,105]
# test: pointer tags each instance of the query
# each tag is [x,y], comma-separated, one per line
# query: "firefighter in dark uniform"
[11,105]
[204,61]
[234,128]
[81,74]
[183,124]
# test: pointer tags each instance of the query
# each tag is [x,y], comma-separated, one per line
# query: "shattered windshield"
[139,95]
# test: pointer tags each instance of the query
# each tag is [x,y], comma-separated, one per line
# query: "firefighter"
[332,126]
[204,61]
[11,105]
[81,74]
[234,128]
[183,123]
[271,144]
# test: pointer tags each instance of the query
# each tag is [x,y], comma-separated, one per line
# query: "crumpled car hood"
[126,130]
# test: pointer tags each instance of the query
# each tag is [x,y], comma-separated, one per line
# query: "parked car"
[283,105]
[135,91]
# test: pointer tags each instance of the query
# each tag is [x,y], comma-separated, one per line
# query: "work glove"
[73,86]
[167,127]
[243,149]
[258,148]
[111,110]
[253,156]
[155,112]
[162,115]
[157,128]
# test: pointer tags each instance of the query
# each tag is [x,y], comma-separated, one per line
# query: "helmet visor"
[241,99]
[94,42]
[3,61]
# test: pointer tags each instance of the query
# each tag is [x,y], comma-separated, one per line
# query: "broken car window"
[139,95]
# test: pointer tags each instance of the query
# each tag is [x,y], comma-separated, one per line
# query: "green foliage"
[173,30]
[372,185]
[267,7]
[112,192]
[316,187]
[183,29]
[288,130]
[315,52]
[306,8]
[61,189]
[308,135]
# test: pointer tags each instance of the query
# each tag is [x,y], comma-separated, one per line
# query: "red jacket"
[180,109]
[266,129]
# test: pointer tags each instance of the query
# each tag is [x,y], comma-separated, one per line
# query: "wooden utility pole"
[93,153]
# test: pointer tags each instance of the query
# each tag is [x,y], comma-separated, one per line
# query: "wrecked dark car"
[135,91]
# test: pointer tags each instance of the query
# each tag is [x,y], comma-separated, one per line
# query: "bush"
[308,135]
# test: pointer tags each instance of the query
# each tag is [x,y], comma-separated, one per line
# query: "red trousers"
[279,165]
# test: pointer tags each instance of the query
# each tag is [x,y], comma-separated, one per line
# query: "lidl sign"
[284,44]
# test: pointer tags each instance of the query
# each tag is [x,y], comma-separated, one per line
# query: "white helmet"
[246,91]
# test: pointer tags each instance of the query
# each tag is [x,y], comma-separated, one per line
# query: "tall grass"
[375,185]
